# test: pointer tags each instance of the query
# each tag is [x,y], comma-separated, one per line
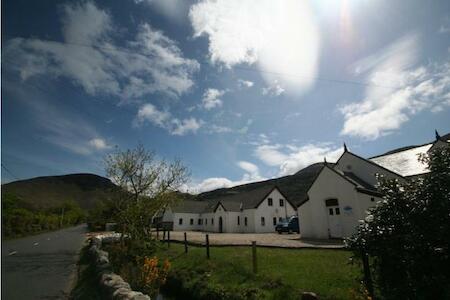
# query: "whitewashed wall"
[270,212]
[313,215]
[186,217]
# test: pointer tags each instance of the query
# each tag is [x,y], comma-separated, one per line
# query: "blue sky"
[238,90]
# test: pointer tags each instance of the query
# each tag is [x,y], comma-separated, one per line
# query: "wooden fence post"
[207,246]
[168,238]
[185,243]
[367,275]
[255,266]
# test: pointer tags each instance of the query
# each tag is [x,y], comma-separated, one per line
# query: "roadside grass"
[87,282]
[282,273]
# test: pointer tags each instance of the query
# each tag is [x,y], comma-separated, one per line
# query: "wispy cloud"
[90,57]
[165,120]
[291,158]
[251,175]
[211,98]
[282,37]
[245,83]
[399,89]
[274,89]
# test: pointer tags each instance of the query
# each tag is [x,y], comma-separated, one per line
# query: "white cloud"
[211,98]
[99,144]
[270,154]
[291,158]
[245,83]
[209,184]
[89,57]
[185,126]
[164,119]
[282,37]
[275,89]
[398,90]
[219,129]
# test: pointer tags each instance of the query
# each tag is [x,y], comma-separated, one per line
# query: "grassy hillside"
[48,203]
[44,193]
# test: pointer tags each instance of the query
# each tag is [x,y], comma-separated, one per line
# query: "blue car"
[290,225]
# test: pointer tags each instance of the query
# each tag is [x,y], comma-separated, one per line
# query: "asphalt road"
[41,266]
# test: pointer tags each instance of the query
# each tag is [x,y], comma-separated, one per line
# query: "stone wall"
[112,285]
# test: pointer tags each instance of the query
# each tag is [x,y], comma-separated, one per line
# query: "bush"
[407,235]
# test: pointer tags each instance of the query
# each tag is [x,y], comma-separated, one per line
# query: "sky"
[238,90]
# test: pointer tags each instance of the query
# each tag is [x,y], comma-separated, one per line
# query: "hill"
[43,193]
[294,186]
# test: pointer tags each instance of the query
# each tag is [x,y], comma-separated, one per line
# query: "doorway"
[220,225]
[334,218]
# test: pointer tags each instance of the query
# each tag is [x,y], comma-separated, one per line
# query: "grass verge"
[282,273]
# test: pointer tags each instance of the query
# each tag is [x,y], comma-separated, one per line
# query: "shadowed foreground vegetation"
[282,273]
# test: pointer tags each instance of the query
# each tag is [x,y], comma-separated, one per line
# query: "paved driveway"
[262,239]
[41,266]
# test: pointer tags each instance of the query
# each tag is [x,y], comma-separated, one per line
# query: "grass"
[282,273]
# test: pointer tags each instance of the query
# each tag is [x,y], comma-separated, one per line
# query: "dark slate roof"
[235,200]
[190,206]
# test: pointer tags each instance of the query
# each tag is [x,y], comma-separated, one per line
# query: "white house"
[329,198]
[256,210]
[341,194]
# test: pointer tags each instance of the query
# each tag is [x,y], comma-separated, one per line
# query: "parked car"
[289,225]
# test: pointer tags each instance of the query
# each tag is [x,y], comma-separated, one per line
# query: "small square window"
[180,221]
[191,222]
[338,212]
[331,211]
[281,202]
[274,221]
[245,221]
[263,221]
[270,202]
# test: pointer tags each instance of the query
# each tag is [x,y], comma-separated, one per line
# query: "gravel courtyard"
[262,239]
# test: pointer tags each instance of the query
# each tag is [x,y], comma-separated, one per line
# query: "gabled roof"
[405,162]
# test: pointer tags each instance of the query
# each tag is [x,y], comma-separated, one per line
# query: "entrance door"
[220,225]
[334,218]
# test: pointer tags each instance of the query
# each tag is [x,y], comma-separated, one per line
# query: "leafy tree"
[407,235]
[147,186]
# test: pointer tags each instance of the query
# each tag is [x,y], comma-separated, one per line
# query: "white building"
[341,194]
[256,210]
[329,198]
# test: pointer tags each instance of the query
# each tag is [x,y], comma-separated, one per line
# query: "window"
[180,221]
[263,221]
[191,222]
[270,201]
[212,221]
[372,199]
[280,219]
[338,212]
[281,202]
[239,221]
[274,221]
[206,221]
[199,221]
[245,221]
[330,211]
